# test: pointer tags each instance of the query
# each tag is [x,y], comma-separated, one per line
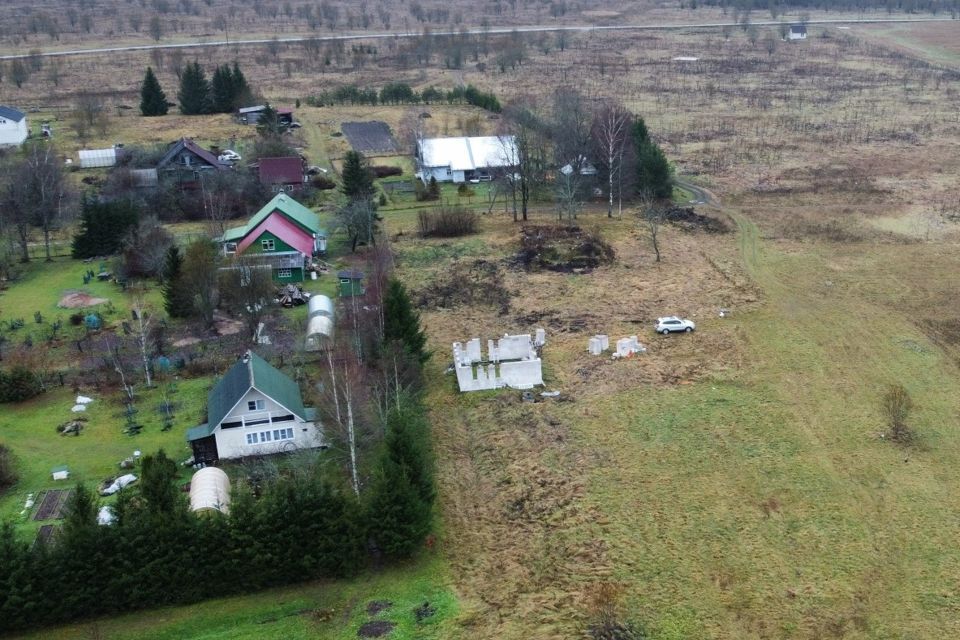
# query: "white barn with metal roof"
[462,159]
[13,126]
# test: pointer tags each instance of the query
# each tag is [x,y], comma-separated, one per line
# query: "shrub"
[8,473]
[447,222]
[897,404]
[76,319]
[322,183]
[384,171]
[18,384]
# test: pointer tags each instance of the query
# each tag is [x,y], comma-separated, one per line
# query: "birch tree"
[610,133]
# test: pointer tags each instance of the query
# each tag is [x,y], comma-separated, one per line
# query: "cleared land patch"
[370,137]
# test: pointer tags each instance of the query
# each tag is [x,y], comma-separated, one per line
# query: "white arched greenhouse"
[319,322]
[210,491]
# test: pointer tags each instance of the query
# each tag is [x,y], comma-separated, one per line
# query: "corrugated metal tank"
[210,491]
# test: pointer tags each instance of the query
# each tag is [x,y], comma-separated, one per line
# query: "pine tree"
[401,322]
[640,133]
[357,178]
[153,101]
[176,299]
[433,189]
[194,92]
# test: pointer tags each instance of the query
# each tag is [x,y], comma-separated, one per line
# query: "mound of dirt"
[79,300]
[562,248]
[424,611]
[689,220]
[375,629]
[376,606]
[471,283]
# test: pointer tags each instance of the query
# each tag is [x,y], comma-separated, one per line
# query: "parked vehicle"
[228,155]
[673,324]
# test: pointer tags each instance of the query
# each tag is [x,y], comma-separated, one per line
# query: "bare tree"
[611,132]
[524,142]
[36,193]
[248,290]
[653,216]
[571,145]
[143,318]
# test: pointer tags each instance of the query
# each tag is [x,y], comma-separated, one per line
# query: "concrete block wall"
[521,374]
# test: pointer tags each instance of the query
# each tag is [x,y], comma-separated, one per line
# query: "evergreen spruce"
[654,173]
[194,92]
[157,486]
[176,299]
[153,101]
[222,90]
[433,189]
[640,133]
[268,124]
[401,323]
[357,177]
[241,90]
[397,516]
[103,226]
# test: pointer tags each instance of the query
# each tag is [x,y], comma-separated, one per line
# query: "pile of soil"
[376,606]
[566,249]
[375,629]
[424,611]
[689,220]
[466,284]
[79,300]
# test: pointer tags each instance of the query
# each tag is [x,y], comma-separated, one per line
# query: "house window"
[230,248]
[284,273]
[265,436]
[255,405]
[276,435]
[252,438]
[267,245]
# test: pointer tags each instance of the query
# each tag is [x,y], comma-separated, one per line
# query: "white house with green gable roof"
[254,410]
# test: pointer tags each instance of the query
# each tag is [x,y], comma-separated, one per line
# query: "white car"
[118,484]
[671,324]
[229,155]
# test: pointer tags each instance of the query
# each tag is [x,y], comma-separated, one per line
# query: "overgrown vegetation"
[8,469]
[447,222]
[562,248]
[469,283]
[18,384]
[897,405]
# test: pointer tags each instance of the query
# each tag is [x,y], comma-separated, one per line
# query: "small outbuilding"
[285,174]
[13,126]
[210,491]
[797,32]
[351,283]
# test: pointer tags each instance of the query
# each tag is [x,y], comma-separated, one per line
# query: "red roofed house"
[186,161]
[282,174]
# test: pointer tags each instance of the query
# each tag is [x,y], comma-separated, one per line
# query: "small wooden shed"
[350,283]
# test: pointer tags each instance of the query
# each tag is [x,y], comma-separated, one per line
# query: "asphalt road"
[492,31]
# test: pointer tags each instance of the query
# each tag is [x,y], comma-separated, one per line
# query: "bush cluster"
[19,384]
[447,222]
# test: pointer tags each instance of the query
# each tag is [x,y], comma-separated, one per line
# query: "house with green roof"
[284,234]
[254,410]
